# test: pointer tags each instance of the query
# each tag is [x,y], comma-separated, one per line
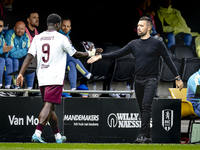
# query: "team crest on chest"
[23,44]
[0,41]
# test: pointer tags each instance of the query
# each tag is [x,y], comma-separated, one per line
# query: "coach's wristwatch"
[178,78]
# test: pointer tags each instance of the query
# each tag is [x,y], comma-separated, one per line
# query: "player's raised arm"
[90,53]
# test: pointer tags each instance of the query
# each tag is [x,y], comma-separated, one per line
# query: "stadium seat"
[30,69]
[32,66]
[186,106]
[110,47]
[166,74]
[103,69]
[176,93]
[187,111]
[124,69]
[182,51]
[191,65]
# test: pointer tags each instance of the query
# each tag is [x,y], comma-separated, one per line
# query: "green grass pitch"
[84,146]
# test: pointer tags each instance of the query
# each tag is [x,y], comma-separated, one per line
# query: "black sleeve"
[164,53]
[119,53]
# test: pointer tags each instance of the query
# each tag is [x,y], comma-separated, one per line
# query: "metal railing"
[26,91]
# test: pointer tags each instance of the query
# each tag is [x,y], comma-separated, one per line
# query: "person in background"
[72,63]
[145,10]
[33,23]
[31,31]
[192,83]
[174,25]
[20,41]
[5,63]
[6,12]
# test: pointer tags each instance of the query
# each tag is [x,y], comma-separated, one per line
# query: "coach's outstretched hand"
[179,84]
[94,58]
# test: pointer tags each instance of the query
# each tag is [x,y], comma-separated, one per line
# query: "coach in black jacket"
[147,51]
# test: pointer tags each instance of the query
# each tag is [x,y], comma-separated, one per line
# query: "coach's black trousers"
[145,90]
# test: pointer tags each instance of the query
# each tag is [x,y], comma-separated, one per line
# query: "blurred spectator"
[7,4]
[5,63]
[33,23]
[6,12]
[144,9]
[72,63]
[192,83]
[31,31]
[174,25]
[21,43]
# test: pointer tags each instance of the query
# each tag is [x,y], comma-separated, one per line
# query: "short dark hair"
[32,12]
[66,18]
[149,21]
[54,18]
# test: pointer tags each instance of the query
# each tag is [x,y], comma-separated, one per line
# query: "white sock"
[1,85]
[89,76]
[73,89]
[29,88]
[38,133]
[57,136]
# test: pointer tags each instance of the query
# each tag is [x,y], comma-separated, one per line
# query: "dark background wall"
[99,21]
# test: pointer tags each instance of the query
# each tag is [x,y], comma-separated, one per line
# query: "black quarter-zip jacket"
[147,55]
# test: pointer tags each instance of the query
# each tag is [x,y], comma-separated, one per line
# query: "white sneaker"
[3,94]
[36,139]
[61,140]
[11,94]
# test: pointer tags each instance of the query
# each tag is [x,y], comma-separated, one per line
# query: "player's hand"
[7,48]
[90,49]
[179,84]
[98,50]
[94,58]
[20,79]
